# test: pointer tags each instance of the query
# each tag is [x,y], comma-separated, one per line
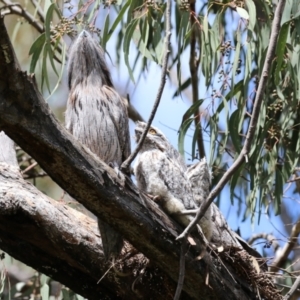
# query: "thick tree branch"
[65,244]
[243,157]
[27,119]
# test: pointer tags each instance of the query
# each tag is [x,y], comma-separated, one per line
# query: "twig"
[194,65]
[294,179]
[278,262]
[181,270]
[253,122]
[129,160]
[133,114]
[17,9]
[293,289]
[29,168]
[38,10]
[268,237]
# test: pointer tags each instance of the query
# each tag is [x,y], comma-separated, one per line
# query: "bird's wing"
[119,116]
[172,174]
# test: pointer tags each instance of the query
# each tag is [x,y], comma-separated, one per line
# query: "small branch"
[194,65]
[133,114]
[252,127]
[293,289]
[268,237]
[293,180]
[39,10]
[30,167]
[289,246]
[181,270]
[129,160]
[11,8]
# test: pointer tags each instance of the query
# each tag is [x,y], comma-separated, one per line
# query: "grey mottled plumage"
[161,172]
[200,179]
[97,116]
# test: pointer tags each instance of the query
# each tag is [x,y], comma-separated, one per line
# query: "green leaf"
[182,132]
[48,19]
[118,19]
[36,50]
[105,32]
[65,294]
[286,15]
[183,26]
[192,110]
[45,77]
[242,12]
[234,131]
[248,63]
[182,87]
[252,13]
[128,35]
[2,280]
[280,49]
[45,291]
[60,74]
[236,55]
[44,279]
[278,191]
[158,42]
[233,183]
[205,27]
[51,57]
[138,40]
[145,36]
[16,30]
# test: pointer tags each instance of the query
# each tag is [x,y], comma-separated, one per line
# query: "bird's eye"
[152,131]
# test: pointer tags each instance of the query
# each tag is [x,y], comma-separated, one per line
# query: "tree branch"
[11,8]
[27,119]
[253,122]
[293,289]
[65,244]
[280,260]
[194,65]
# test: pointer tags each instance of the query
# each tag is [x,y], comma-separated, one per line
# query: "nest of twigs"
[251,270]
[143,277]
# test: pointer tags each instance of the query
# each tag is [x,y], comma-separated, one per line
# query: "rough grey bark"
[27,119]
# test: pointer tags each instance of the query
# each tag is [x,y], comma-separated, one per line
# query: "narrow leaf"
[280,49]
[182,132]
[36,50]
